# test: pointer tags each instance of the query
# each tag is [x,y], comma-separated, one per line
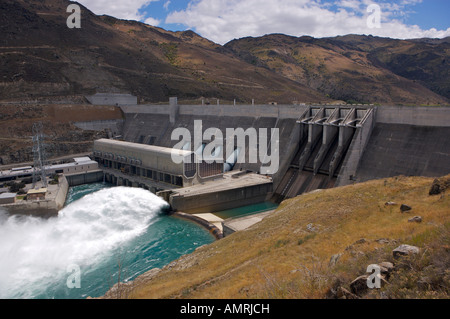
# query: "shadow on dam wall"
[410,150]
[393,140]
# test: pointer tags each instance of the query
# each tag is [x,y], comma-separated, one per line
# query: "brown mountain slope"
[41,56]
[358,68]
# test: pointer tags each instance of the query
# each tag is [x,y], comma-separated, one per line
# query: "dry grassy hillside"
[40,56]
[287,255]
[356,68]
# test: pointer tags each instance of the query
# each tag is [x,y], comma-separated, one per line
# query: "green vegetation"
[170,51]
[16,187]
[54,180]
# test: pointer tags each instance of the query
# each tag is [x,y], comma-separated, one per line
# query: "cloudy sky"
[225,20]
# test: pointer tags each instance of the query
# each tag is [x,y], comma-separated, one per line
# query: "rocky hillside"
[357,68]
[62,138]
[40,56]
[319,245]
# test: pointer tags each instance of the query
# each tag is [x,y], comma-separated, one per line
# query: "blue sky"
[431,14]
[224,20]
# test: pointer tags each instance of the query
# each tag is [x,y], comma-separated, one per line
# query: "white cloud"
[121,9]
[152,21]
[224,20]
[166,5]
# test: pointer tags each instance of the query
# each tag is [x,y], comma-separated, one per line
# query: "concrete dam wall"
[321,146]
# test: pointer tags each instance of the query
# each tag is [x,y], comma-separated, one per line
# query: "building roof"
[7,195]
[82,159]
[145,148]
[66,165]
[37,191]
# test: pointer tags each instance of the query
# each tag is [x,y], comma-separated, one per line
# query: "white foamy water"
[35,253]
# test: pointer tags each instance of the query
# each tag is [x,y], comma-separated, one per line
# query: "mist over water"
[92,232]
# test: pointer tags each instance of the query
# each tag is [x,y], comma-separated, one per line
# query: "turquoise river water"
[101,233]
[100,228]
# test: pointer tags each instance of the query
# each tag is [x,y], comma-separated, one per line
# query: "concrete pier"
[95,176]
[231,191]
[233,225]
[50,205]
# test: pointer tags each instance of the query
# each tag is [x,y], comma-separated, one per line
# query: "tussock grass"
[287,254]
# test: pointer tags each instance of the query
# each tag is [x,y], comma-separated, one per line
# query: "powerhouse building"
[152,166]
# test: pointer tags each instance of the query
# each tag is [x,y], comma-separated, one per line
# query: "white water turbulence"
[35,253]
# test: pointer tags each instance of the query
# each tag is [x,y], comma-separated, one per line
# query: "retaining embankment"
[214,230]
[85,178]
[49,207]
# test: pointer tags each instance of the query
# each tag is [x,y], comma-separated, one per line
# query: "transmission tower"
[39,155]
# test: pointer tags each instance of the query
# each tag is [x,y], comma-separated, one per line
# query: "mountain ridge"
[40,56]
[354,67]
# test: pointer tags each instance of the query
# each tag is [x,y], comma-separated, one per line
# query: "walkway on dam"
[232,180]
[234,224]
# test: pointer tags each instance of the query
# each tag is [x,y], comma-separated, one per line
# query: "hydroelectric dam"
[320,146]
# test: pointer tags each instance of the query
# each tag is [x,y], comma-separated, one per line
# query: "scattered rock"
[405,208]
[360,241]
[439,185]
[122,289]
[199,248]
[390,204]
[357,254]
[334,259]
[383,295]
[383,241]
[386,267]
[359,285]
[343,293]
[405,250]
[415,219]
[311,228]
[424,283]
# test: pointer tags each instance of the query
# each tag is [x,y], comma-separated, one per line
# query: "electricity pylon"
[39,155]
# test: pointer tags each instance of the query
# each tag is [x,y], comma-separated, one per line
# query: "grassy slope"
[281,258]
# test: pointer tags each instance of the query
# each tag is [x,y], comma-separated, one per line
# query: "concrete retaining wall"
[218,201]
[408,150]
[85,178]
[111,99]
[352,160]
[151,124]
[114,126]
[414,115]
[60,198]
[202,222]
[43,208]
[281,111]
